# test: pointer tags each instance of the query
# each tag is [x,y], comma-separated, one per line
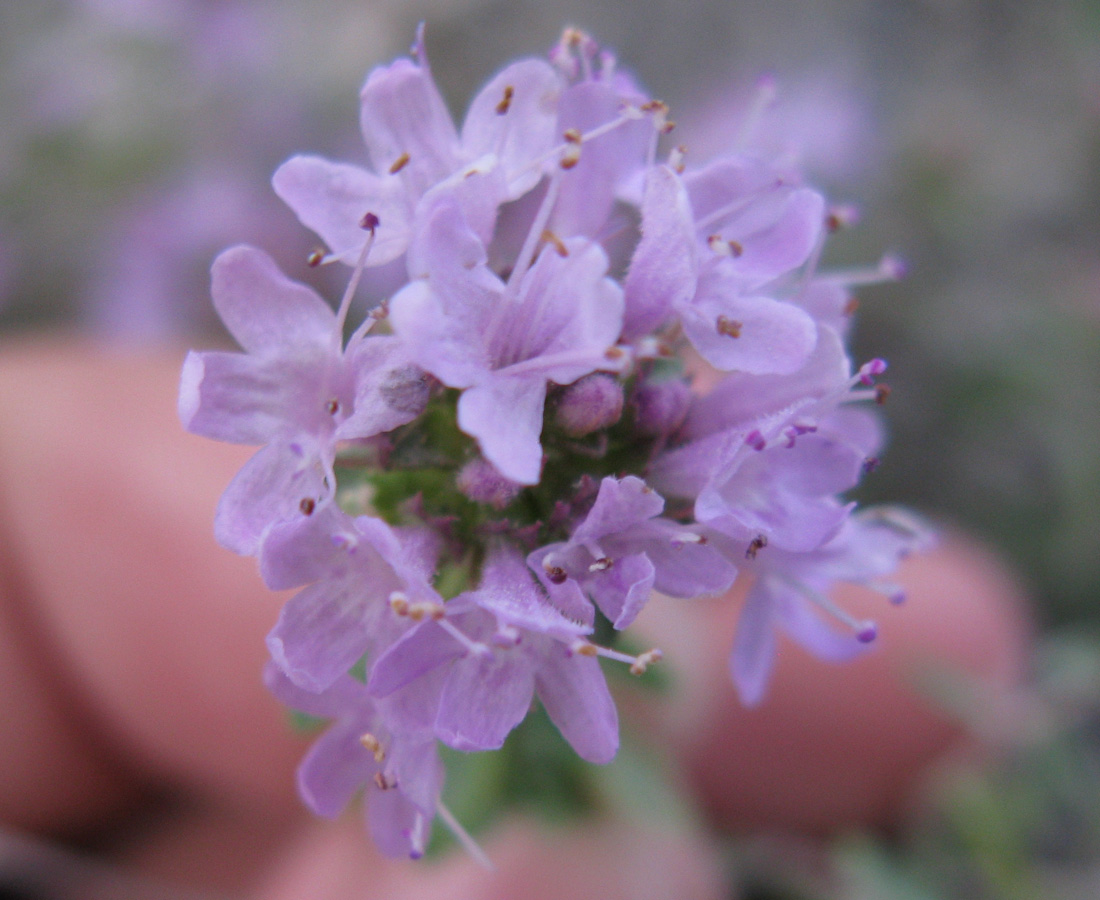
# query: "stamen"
[307,506]
[839,217]
[890,268]
[882,392]
[729,327]
[676,159]
[892,591]
[757,544]
[332,407]
[638,664]
[462,836]
[474,648]
[371,743]
[416,836]
[426,609]
[571,156]
[764,96]
[315,258]
[645,660]
[865,629]
[870,464]
[869,370]
[506,101]
[368,223]
[383,783]
[756,440]
[558,244]
[601,565]
[399,603]
[687,537]
[556,574]
[399,163]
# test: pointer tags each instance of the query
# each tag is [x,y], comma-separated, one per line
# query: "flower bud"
[590,404]
[660,406]
[479,481]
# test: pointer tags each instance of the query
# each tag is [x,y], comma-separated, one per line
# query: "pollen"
[505,103]
[558,244]
[645,660]
[729,327]
[399,163]
[371,743]
[757,544]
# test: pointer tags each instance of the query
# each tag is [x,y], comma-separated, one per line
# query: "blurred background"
[137,139]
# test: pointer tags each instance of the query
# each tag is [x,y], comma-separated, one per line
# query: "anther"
[687,537]
[871,463]
[550,238]
[866,632]
[572,136]
[841,217]
[869,370]
[601,565]
[584,648]
[506,101]
[736,248]
[729,327]
[851,306]
[645,660]
[571,156]
[426,609]
[676,159]
[882,392]
[315,257]
[399,603]
[371,743]
[307,506]
[332,407]
[383,783]
[399,163]
[369,222]
[556,574]
[757,544]
[755,440]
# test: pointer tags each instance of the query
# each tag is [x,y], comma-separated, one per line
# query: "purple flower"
[295,389]
[713,243]
[382,746]
[414,147]
[791,593]
[503,343]
[356,571]
[623,550]
[499,646]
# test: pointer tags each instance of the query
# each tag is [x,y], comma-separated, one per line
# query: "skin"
[130,647]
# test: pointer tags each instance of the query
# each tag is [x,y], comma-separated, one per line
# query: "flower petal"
[264,310]
[331,199]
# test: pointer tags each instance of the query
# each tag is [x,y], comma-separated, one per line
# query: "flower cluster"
[608,374]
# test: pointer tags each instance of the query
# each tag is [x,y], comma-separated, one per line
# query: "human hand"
[131,647]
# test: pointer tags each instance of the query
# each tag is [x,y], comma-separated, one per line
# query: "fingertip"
[839,746]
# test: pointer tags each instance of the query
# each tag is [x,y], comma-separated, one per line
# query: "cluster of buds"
[609,373]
